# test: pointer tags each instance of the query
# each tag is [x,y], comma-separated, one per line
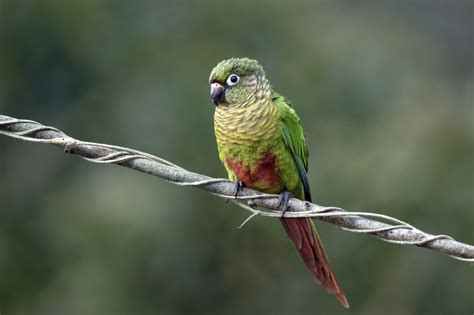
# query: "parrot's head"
[238,81]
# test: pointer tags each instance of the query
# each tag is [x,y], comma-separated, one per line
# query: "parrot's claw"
[283,200]
[238,187]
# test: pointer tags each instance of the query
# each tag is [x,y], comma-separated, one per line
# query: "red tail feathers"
[305,238]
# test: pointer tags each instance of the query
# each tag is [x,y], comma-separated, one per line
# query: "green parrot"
[262,146]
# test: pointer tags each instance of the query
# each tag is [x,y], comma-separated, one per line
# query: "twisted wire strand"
[392,230]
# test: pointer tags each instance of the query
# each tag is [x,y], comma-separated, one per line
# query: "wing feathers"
[301,230]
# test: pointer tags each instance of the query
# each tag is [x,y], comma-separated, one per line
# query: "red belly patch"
[266,171]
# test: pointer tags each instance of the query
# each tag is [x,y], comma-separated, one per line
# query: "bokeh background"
[385,93]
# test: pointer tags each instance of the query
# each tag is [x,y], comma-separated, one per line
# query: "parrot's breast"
[247,125]
[250,144]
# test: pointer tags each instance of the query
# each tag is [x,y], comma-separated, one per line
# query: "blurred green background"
[385,93]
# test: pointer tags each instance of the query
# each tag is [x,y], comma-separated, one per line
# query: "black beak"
[217,93]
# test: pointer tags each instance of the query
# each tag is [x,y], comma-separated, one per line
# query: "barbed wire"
[392,230]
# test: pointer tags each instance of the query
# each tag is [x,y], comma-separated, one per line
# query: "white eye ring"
[233,79]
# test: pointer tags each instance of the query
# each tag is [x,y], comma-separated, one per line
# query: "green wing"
[294,138]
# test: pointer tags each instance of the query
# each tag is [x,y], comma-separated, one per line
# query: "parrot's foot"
[238,187]
[283,200]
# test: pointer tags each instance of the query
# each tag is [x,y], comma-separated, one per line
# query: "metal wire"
[392,230]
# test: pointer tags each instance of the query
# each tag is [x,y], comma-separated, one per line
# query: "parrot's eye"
[233,79]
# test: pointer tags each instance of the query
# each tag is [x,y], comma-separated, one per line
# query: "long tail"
[305,238]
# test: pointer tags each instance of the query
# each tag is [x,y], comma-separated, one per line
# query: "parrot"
[260,141]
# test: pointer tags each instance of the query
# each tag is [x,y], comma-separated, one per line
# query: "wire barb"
[392,230]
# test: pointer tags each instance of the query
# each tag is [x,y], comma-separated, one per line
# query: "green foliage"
[385,95]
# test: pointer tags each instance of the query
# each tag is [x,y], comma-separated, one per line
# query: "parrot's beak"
[217,93]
